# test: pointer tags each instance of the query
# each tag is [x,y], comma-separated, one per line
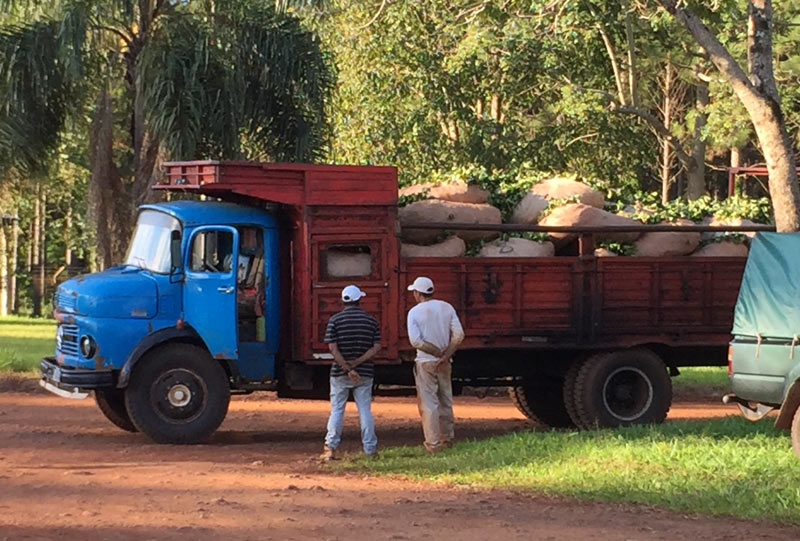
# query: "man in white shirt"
[435,331]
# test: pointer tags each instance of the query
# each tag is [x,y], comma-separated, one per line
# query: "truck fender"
[789,406]
[161,336]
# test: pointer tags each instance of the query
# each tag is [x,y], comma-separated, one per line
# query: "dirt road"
[66,473]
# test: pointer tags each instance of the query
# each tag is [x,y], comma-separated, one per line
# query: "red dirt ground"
[66,473]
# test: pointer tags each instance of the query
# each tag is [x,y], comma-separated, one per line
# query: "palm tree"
[178,78]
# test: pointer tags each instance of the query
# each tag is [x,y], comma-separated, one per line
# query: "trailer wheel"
[541,401]
[569,391]
[112,403]
[795,432]
[622,388]
[178,394]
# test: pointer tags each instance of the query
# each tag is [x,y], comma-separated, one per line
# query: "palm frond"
[252,84]
[39,70]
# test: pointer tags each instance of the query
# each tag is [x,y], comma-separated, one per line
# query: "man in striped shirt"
[353,337]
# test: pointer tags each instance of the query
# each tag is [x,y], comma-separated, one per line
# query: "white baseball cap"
[423,284]
[352,293]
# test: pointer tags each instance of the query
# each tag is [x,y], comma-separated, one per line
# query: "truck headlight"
[88,346]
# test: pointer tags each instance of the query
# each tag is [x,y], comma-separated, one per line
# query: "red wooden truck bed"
[536,324]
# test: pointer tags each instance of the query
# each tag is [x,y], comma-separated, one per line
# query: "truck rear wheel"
[178,394]
[622,388]
[540,399]
[112,403]
[795,431]
[569,391]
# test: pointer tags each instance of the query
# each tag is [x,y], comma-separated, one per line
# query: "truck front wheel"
[178,394]
[622,388]
[112,403]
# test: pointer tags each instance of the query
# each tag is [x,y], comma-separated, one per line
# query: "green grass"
[716,376]
[725,466]
[701,382]
[24,341]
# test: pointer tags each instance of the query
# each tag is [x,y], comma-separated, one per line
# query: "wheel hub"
[627,393]
[179,395]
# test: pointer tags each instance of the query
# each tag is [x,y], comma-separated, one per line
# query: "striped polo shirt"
[354,331]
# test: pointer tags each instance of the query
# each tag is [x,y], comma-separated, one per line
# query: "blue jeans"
[362,393]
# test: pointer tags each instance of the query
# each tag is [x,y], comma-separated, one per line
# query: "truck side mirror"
[175,251]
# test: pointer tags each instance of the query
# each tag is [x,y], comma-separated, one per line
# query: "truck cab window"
[342,262]
[212,251]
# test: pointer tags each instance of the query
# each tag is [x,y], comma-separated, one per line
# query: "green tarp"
[769,298]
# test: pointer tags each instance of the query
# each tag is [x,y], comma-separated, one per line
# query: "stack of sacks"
[456,202]
[667,244]
[516,247]
[460,202]
[578,214]
[345,264]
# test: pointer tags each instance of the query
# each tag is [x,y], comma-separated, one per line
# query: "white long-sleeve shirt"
[432,321]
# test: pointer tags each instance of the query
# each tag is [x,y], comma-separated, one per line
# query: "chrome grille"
[67,339]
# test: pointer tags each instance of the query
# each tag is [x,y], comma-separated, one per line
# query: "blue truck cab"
[764,355]
[192,313]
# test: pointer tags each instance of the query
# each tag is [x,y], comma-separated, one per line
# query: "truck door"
[364,262]
[209,294]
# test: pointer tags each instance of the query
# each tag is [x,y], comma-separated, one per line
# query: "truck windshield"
[150,246]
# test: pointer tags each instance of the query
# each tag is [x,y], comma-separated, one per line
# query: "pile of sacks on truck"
[461,202]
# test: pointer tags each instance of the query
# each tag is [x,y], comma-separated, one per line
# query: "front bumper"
[74,380]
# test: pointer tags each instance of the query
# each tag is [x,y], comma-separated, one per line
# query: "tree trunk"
[633,82]
[109,207]
[145,147]
[68,238]
[3,270]
[13,306]
[36,232]
[666,151]
[759,97]
[41,283]
[736,157]
[695,181]
[35,227]
[497,108]
[29,249]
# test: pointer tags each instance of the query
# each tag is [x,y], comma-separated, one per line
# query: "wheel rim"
[179,395]
[627,393]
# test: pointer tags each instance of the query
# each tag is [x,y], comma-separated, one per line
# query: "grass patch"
[701,382]
[722,467]
[716,376]
[24,341]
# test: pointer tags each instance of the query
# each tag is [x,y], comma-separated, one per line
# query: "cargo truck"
[232,295]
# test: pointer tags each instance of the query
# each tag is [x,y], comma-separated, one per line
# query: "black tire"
[112,403]
[178,394]
[622,388]
[540,399]
[795,432]
[569,391]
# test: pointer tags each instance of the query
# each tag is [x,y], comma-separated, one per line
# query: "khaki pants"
[435,401]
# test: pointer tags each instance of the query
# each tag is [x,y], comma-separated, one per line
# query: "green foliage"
[41,68]
[649,208]
[202,108]
[694,466]
[427,85]
[619,248]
